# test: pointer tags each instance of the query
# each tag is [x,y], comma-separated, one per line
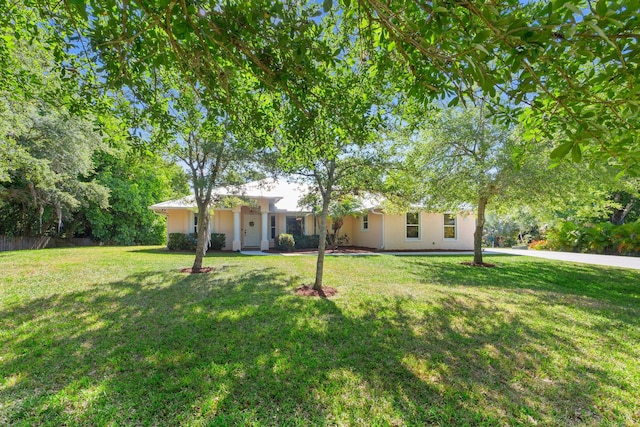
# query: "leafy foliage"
[217,241]
[304,241]
[50,166]
[598,238]
[464,160]
[285,242]
[135,181]
[567,68]
[182,242]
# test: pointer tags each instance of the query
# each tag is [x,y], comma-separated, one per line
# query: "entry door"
[252,230]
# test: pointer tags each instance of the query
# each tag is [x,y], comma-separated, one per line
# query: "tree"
[49,179]
[203,134]
[339,209]
[334,142]
[568,68]
[464,159]
[136,180]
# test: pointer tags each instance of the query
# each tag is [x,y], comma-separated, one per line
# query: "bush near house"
[307,242]
[599,238]
[217,241]
[285,242]
[188,242]
[182,242]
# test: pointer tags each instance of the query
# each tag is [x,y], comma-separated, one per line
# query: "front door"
[251,229]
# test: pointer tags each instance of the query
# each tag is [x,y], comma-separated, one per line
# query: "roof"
[285,195]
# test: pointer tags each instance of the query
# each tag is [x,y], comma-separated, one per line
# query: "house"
[271,207]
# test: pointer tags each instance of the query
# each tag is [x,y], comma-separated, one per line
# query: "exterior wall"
[369,238]
[431,229]
[431,234]
[222,222]
[179,221]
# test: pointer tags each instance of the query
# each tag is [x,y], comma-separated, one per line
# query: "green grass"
[117,336]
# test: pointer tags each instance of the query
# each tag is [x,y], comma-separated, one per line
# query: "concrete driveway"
[608,260]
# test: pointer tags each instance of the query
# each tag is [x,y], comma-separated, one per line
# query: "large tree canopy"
[463,159]
[570,67]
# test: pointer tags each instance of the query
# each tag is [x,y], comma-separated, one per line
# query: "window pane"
[412,231]
[449,219]
[294,226]
[449,232]
[273,227]
[412,218]
[365,221]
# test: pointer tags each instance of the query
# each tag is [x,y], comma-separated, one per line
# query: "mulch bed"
[473,264]
[340,250]
[308,291]
[198,270]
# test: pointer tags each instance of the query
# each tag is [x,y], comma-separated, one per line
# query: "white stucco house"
[273,208]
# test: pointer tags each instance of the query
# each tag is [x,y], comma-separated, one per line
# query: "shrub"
[217,241]
[538,245]
[182,242]
[285,242]
[599,238]
[337,241]
[307,242]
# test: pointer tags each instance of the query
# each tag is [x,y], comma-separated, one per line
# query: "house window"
[449,226]
[295,225]
[273,227]
[413,225]
[365,222]
[195,223]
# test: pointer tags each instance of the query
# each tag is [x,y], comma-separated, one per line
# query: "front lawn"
[117,336]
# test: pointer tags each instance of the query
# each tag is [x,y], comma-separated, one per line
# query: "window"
[295,226]
[365,222]
[449,226]
[195,223]
[413,225]
[273,227]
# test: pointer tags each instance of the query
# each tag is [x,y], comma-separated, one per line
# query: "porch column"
[264,244]
[236,245]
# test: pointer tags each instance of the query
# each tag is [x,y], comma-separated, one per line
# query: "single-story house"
[272,207]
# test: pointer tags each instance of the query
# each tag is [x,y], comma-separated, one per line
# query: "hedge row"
[188,242]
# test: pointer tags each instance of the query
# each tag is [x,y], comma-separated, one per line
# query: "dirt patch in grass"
[473,264]
[308,291]
[190,270]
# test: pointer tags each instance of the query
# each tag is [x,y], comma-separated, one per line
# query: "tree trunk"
[619,215]
[203,238]
[477,235]
[322,244]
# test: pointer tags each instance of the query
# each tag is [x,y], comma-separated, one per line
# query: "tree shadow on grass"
[165,251]
[617,286]
[239,348]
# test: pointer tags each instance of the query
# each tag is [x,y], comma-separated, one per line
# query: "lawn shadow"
[165,251]
[235,348]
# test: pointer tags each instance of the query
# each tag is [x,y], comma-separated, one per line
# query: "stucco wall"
[178,221]
[222,222]
[431,233]
[369,238]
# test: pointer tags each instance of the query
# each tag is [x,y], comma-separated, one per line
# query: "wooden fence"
[10,243]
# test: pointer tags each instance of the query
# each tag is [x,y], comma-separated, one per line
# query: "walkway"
[608,260]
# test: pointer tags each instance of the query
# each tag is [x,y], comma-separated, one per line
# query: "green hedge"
[182,242]
[188,242]
[217,241]
[595,238]
[307,242]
